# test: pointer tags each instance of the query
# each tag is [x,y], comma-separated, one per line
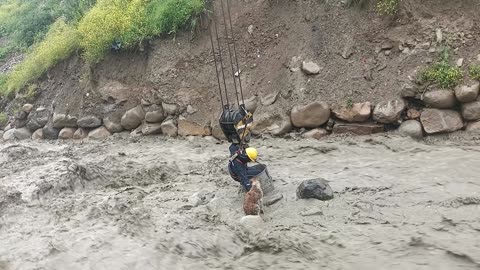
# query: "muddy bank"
[127,204]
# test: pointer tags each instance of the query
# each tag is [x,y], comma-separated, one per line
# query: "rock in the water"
[22,133]
[170,109]
[63,120]
[151,128]
[315,189]
[190,128]
[100,133]
[37,119]
[277,124]
[471,111]
[269,99]
[411,128]
[252,224]
[38,135]
[66,133]
[154,114]
[316,133]
[312,115]
[9,135]
[474,126]
[217,132]
[27,108]
[467,93]
[169,128]
[413,114]
[89,122]
[440,99]
[310,68]
[389,111]
[133,118]
[251,104]
[437,121]
[113,124]
[80,134]
[357,113]
[358,128]
[50,132]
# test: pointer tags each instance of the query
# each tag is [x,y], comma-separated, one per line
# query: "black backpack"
[236,124]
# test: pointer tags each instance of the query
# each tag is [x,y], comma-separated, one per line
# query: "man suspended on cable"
[238,164]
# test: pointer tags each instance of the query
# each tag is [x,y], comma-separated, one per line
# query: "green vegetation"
[474,72]
[349,103]
[3,119]
[442,73]
[386,7]
[49,31]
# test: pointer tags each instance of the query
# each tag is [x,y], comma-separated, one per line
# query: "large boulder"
[191,128]
[38,135]
[471,111]
[251,104]
[133,118]
[357,112]
[100,133]
[151,128]
[358,128]
[113,124]
[9,135]
[22,133]
[64,120]
[217,132]
[315,189]
[50,132]
[411,128]
[467,93]
[389,111]
[473,126]
[440,99]
[155,114]
[38,119]
[276,124]
[316,133]
[438,121]
[169,128]
[80,134]
[312,115]
[66,133]
[21,119]
[89,121]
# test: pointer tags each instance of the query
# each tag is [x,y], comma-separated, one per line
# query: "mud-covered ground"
[133,203]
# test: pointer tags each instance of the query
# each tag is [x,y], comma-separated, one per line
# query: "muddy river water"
[156,203]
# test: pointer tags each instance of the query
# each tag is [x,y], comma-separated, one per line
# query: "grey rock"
[133,118]
[113,124]
[27,108]
[170,109]
[66,133]
[467,93]
[37,119]
[358,128]
[439,121]
[190,110]
[409,91]
[20,123]
[22,133]
[151,128]
[38,135]
[316,133]
[276,124]
[80,134]
[460,62]
[440,99]
[89,122]
[155,114]
[217,132]
[411,128]
[312,115]
[100,133]
[9,135]
[471,111]
[310,68]
[315,189]
[358,112]
[473,127]
[270,99]
[389,111]
[62,120]
[251,104]
[273,199]
[50,132]
[169,128]
[21,115]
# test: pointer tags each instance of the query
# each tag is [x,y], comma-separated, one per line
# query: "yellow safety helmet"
[252,153]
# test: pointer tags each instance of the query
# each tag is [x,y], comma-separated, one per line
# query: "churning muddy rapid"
[156,203]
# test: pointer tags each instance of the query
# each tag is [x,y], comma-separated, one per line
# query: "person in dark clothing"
[237,166]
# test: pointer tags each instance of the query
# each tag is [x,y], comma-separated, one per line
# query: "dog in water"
[253,204]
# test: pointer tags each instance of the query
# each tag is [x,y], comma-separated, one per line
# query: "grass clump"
[474,72]
[60,41]
[168,16]
[386,7]
[442,73]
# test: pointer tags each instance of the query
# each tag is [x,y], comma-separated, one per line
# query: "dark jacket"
[238,167]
